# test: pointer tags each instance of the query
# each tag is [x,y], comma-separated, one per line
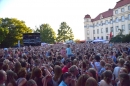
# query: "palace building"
[109,23]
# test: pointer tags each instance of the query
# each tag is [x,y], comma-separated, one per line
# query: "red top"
[64,69]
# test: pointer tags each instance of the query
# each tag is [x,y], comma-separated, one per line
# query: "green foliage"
[47,33]
[13,31]
[64,33]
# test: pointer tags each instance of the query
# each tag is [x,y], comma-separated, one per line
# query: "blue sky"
[53,12]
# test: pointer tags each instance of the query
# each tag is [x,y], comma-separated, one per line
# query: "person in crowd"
[10,78]
[21,81]
[31,82]
[127,66]
[107,77]
[91,82]
[92,72]
[68,51]
[116,69]
[124,79]
[55,79]
[68,64]
[82,79]
[66,79]
[74,71]
[3,77]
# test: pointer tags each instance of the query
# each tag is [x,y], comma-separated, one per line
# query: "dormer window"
[97,23]
[122,9]
[101,17]
[116,12]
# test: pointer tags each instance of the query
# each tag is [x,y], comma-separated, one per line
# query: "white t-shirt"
[116,72]
[103,83]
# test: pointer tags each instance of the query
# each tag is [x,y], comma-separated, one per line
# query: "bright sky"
[53,12]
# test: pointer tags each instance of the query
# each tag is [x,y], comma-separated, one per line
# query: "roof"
[109,13]
[87,16]
[122,3]
[106,14]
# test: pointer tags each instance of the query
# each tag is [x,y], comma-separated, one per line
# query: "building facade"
[108,22]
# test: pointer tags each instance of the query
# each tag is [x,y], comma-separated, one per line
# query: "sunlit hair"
[91,82]
[82,79]
[31,82]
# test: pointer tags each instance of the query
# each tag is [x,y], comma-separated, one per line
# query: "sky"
[53,12]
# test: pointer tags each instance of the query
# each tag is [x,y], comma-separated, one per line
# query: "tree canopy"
[11,30]
[47,33]
[64,33]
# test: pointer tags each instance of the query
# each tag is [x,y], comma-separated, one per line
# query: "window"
[101,23]
[111,21]
[101,37]
[101,30]
[128,7]
[122,18]
[116,12]
[97,37]
[122,9]
[87,32]
[117,28]
[123,27]
[106,21]
[117,20]
[88,38]
[93,31]
[129,26]
[97,23]
[129,16]
[106,37]
[106,30]
[94,38]
[97,31]
[111,29]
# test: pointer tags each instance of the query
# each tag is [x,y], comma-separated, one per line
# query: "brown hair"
[5,67]
[82,79]
[37,72]
[17,67]
[107,75]
[125,79]
[102,62]
[93,72]
[57,70]
[22,73]
[91,82]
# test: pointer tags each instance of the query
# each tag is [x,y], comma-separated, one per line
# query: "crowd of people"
[83,64]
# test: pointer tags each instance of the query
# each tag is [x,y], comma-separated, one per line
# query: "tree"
[47,33]
[64,32]
[14,30]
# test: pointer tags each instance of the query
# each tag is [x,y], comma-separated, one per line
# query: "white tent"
[98,40]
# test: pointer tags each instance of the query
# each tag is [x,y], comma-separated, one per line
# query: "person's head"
[82,79]
[38,72]
[102,63]
[68,46]
[74,70]
[121,62]
[57,71]
[11,65]
[97,58]
[3,76]
[10,76]
[127,65]
[123,70]
[128,58]
[22,73]
[91,82]
[68,63]
[124,79]
[108,66]
[31,82]
[92,73]
[17,67]
[5,67]
[107,75]
[67,77]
